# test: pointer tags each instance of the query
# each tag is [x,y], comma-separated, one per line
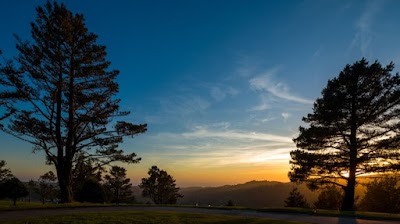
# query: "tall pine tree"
[353,130]
[67,104]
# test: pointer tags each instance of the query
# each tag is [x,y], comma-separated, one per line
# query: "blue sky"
[222,84]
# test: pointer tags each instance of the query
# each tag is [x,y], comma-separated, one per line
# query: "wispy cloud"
[364,35]
[263,105]
[219,93]
[265,82]
[238,135]
[218,145]
[285,115]
[184,104]
[247,66]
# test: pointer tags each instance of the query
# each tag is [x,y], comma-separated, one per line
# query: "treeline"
[91,184]
[381,195]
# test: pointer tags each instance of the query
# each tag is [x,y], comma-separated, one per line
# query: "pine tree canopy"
[67,105]
[353,129]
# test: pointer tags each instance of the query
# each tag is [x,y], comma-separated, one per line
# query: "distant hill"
[250,194]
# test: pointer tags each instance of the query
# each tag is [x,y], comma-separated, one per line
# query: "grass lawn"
[7,205]
[146,217]
[335,213]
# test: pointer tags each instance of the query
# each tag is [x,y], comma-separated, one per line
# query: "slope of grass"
[141,217]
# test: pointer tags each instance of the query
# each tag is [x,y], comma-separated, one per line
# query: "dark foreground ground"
[11,215]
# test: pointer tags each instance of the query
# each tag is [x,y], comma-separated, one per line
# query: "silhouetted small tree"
[85,173]
[160,186]
[382,195]
[46,186]
[4,172]
[330,198]
[117,183]
[296,199]
[230,203]
[13,189]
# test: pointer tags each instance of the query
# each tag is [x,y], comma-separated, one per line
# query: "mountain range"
[250,194]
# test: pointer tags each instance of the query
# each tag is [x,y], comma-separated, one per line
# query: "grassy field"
[6,205]
[335,213]
[140,217]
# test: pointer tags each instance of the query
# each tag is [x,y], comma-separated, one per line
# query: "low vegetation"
[138,217]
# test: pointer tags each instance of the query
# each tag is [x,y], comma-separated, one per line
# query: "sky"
[222,84]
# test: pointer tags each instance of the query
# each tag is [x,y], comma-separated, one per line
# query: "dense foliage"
[47,187]
[382,195]
[296,199]
[91,190]
[330,198]
[5,173]
[353,130]
[14,189]
[160,187]
[118,185]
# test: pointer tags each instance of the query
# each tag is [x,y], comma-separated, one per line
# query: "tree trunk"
[15,201]
[348,200]
[65,183]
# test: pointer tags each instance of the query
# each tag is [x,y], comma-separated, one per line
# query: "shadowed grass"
[335,213]
[7,205]
[146,217]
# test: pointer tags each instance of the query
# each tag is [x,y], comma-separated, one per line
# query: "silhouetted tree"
[230,203]
[353,130]
[296,199]
[91,191]
[119,186]
[6,98]
[330,198]
[85,173]
[160,186]
[46,186]
[382,195]
[67,94]
[13,188]
[4,172]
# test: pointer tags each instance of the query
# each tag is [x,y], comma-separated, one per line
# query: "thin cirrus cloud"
[184,104]
[364,35]
[263,105]
[266,83]
[207,146]
[219,93]
[233,134]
